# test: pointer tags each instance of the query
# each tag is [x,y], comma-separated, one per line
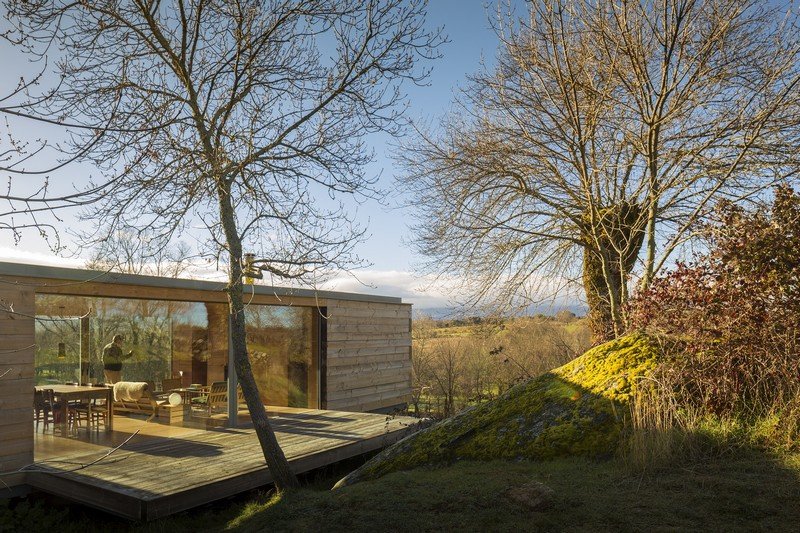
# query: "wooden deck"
[166,469]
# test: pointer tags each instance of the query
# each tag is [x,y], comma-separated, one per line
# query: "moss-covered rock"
[576,409]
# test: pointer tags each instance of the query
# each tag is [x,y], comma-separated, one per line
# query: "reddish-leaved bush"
[732,316]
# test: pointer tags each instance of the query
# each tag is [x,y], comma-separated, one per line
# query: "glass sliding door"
[200,343]
[167,339]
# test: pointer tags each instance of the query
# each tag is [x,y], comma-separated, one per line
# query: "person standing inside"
[112,359]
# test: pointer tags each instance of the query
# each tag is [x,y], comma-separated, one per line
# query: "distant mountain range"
[451,313]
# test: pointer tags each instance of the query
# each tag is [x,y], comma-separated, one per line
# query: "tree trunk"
[601,323]
[650,260]
[610,253]
[276,460]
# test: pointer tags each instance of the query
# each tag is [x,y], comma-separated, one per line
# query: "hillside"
[574,410]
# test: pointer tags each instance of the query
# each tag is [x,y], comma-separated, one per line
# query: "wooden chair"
[216,398]
[78,411]
[39,408]
[98,412]
[94,412]
[44,407]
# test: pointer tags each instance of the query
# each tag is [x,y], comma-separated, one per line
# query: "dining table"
[69,393]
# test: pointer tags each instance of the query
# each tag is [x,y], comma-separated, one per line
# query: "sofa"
[146,402]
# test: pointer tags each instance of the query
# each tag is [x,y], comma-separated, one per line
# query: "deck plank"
[164,469]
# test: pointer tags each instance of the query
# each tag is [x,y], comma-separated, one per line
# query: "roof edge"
[27,270]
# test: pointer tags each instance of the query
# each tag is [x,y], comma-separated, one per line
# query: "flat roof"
[76,274]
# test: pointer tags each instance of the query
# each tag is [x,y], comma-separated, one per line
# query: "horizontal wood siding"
[369,355]
[17,339]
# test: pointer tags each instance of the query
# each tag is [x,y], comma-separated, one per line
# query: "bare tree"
[422,334]
[135,254]
[30,202]
[445,372]
[606,130]
[246,116]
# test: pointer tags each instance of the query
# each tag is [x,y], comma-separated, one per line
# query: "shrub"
[732,316]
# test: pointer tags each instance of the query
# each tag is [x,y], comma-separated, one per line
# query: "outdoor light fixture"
[250,269]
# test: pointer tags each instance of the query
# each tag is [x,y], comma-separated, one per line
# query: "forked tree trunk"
[609,256]
[276,460]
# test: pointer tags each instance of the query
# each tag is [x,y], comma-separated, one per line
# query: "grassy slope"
[575,410]
[742,493]
[740,490]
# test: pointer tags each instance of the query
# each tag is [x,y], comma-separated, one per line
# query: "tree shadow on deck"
[174,447]
[315,424]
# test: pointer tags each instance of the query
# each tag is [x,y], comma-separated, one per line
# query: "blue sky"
[471,39]
[466,22]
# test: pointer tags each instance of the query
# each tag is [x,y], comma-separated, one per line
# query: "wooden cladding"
[368,355]
[17,340]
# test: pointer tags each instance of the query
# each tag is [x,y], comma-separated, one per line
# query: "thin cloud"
[417,290]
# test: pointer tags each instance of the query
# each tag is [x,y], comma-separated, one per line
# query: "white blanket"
[129,391]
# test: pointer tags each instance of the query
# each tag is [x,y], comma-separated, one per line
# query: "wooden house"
[308,349]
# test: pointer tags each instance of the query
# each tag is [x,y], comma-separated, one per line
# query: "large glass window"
[171,338]
[58,349]
[167,339]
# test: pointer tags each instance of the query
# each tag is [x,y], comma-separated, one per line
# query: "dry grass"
[665,431]
[659,430]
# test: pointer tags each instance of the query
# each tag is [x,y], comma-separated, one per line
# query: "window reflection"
[168,338]
[282,354]
[58,349]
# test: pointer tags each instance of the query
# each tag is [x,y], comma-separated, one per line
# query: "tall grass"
[658,429]
[665,430]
